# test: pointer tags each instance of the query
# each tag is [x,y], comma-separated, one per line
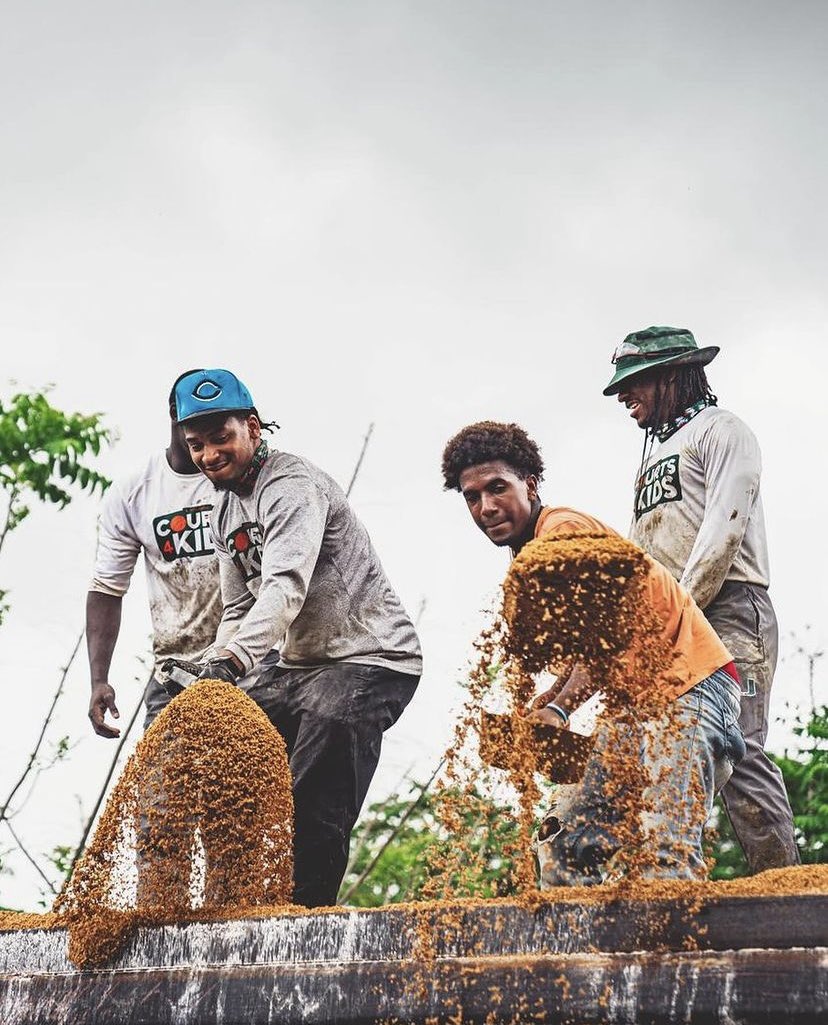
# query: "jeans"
[685,757]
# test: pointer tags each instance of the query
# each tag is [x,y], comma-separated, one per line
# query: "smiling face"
[500,500]
[646,395]
[222,446]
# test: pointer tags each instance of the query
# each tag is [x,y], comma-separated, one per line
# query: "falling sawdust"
[567,602]
[199,825]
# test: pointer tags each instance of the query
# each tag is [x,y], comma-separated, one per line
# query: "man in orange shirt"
[497,468]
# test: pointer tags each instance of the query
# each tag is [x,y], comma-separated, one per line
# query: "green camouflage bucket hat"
[656,347]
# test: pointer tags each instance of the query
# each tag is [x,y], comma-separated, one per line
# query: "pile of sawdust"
[203,812]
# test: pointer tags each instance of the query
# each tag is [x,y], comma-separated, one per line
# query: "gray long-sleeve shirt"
[298,570]
[698,509]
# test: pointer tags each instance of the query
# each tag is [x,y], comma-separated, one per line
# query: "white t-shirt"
[698,510]
[167,516]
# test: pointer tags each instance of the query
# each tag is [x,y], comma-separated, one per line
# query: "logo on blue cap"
[207,391]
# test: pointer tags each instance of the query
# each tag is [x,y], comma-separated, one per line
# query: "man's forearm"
[103,622]
[577,689]
[710,562]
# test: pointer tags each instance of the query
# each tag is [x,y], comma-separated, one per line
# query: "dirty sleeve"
[732,465]
[117,546]
[236,599]
[293,514]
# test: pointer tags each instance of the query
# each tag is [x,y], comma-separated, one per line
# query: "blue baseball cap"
[203,392]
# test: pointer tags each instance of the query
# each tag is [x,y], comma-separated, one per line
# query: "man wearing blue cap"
[698,511]
[298,570]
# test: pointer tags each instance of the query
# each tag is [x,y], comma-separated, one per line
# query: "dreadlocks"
[678,391]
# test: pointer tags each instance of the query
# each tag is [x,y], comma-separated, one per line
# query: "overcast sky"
[417,215]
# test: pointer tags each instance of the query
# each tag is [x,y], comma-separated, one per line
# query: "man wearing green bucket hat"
[699,512]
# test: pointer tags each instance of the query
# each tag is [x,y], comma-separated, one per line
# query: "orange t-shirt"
[699,651]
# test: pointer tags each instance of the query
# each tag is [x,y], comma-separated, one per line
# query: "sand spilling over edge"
[201,820]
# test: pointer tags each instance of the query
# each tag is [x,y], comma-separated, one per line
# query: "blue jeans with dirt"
[686,756]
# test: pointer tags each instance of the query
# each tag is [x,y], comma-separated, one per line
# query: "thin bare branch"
[358,466]
[409,811]
[102,793]
[43,729]
[812,656]
[37,774]
[7,526]
[29,858]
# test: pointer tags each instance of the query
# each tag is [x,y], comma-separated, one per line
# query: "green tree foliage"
[805,772]
[806,778]
[489,833]
[43,453]
[722,846]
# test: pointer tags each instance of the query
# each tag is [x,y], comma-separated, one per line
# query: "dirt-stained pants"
[332,719]
[755,797]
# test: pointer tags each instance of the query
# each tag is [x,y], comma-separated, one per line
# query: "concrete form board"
[624,962]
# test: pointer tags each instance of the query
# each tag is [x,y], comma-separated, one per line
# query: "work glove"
[177,674]
[219,669]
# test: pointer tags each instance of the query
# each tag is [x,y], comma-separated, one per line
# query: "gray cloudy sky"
[418,214]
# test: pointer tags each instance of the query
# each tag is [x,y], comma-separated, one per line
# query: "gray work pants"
[156,700]
[755,797]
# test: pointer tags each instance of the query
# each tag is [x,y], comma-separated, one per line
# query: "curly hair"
[486,442]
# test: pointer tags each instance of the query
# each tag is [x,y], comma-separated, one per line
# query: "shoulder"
[294,472]
[563,520]
[718,432]
[127,490]
[719,423]
[156,482]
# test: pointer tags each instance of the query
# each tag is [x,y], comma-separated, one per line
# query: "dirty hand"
[547,717]
[540,701]
[101,702]
[225,668]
